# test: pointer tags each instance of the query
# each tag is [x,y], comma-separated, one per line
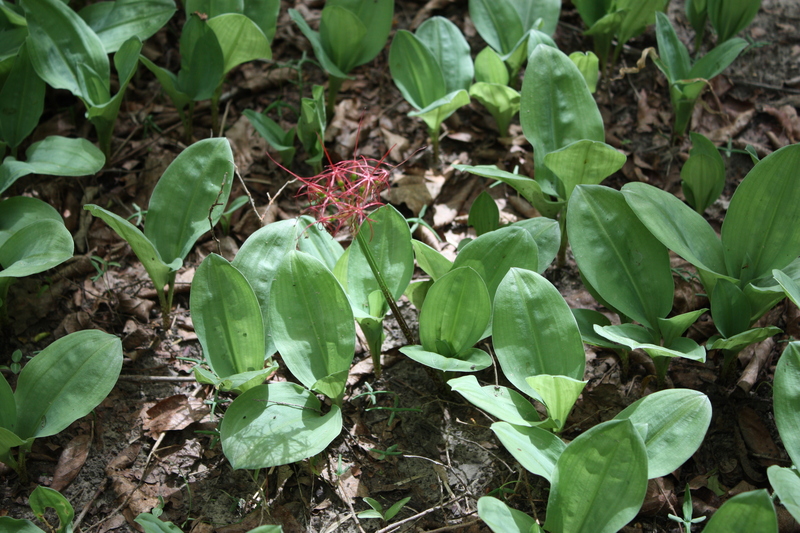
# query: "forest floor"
[150,443]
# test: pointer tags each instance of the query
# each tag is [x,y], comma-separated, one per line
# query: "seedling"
[41,499]
[687,521]
[378,512]
[101,266]
[491,89]
[703,174]
[727,18]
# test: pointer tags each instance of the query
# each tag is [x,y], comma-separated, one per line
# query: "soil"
[438,450]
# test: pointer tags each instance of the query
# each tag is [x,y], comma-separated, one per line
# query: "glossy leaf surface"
[536,449]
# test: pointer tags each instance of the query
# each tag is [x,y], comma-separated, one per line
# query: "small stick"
[417,516]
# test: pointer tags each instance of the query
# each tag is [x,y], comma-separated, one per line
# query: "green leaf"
[390,244]
[65,381]
[35,248]
[489,68]
[265,14]
[534,331]
[618,256]
[789,285]
[456,311]
[317,242]
[65,52]
[169,82]
[744,513]
[677,226]
[501,402]
[675,326]
[159,271]
[498,23]
[194,187]
[276,424]
[430,261]
[584,162]
[546,10]
[227,318]
[377,16]
[558,394]
[484,215]
[240,40]
[22,100]
[311,319]
[12,525]
[589,65]
[599,481]
[586,320]
[319,51]
[258,260]
[786,484]
[703,174]
[547,234]
[151,524]
[501,101]
[556,107]
[43,498]
[634,336]
[503,519]
[536,449]
[116,22]
[671,50]
[450,50]
[493,254]
[718,59]
[20,211]
[729,309]
[729,18]
[415,70]
[280,140]
[8,408]
[471,360]
[758,233]
[438,111]
[53,156]
[786,400]
[202,60]
[741,340]
[392,511]
[673,434]
[638,15]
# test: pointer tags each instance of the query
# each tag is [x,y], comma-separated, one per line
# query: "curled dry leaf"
[173,413]
[71,461]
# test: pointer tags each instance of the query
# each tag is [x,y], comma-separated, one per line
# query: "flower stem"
[362,241]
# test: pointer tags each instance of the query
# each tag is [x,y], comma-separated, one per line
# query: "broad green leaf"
[311,319]
[599,482]
[8,440]
[213,8]
[584,162]
[436,112]
[258,260]
[319,243]
[530,14]
[556,107]
[638,15]
[677,226]
[536,449]
[592,10]
[235,382]
[35,248]
[392,511]
[503,519]
[265,14]
[786,400]
[501,101]
[758,233]
[675,326]
[742,340]
[456,311]
[450,50]
[390,244]
[13,525]
[276,424]
[586,320]
[618,256]
[65,381]
[8,409]
[697,14]
[159,271]
[558,394]
[745,513]
[589,65]
[547,234]
[431,261]
[194,188]
[506,404]
[116,22]
[43,498]
[703,177]
[416,292]
[484,215]
[280,140]
[729,309]
[227,318]
[319,51]
[635,337]
[151,524]
[65,52]
[202,60]
[471,360]
[718,59]
[377,16]
[498,23]
[730,17]
[415,70]
[22,100]
[19,211]
[534,331]
[489,68]
[764,293]
[789,285]
[671,50]
[493,254]
[53,156]
[786,484]
[240,39]
[673,434]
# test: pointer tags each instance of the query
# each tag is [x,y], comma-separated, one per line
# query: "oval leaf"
[503,519]
[744,513]
[536,449]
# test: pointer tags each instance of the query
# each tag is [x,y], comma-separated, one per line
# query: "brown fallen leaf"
[725,133]
[660,499]
[71,461]
[173,413]
[757,438]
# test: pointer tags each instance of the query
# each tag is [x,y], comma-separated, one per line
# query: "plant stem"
[334,85]
[362,241]
[562,249]
[434,134]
